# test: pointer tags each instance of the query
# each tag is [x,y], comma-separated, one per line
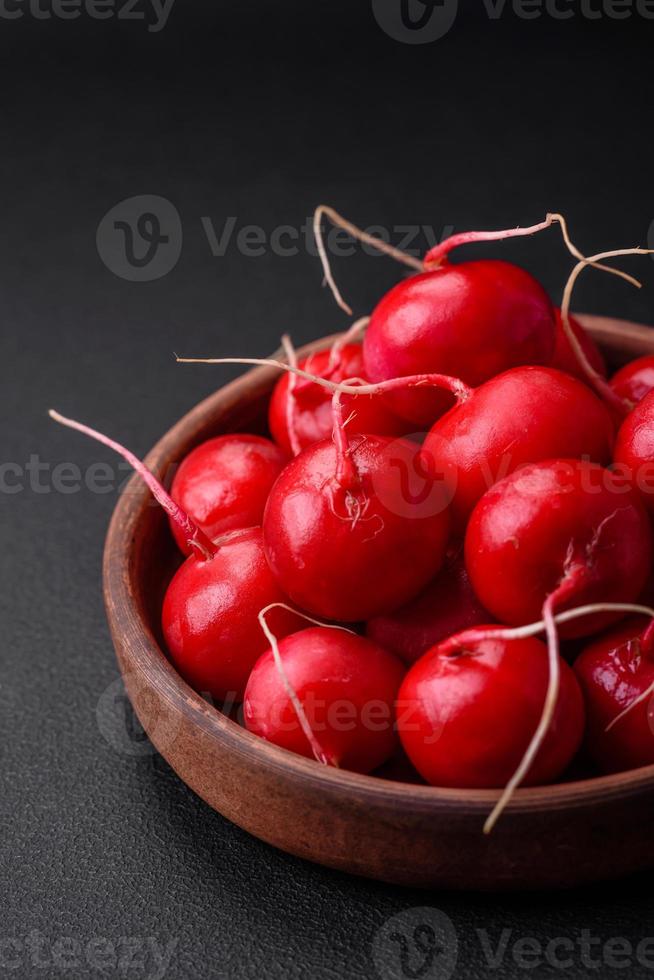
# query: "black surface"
[256,110]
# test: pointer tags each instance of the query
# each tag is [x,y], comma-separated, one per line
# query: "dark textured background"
[259,111]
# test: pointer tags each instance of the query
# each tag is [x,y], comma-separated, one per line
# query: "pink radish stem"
[346,472]
[459,389]
[195,537]
[438,253]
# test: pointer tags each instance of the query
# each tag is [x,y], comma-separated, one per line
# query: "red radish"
[549,536]
[301,408]
[616,673]
[469,643]
[224,483]
[565,359]
[635,380]
[470,321]
[466,712]
[209,615]
[524,415]
[210,609]
[566,531]
[345,537]
[448,605]
[634,449]
[342,686]
[354,530]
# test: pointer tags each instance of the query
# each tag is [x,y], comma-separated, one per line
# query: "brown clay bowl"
[559,835]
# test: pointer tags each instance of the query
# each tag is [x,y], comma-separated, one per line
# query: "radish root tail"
[194,536]
[324,211]
[320,754]
[439,253]
[350,336]
[601,386]
[471,636]
[475,635]
[549,708]
[459,389]
[641,697]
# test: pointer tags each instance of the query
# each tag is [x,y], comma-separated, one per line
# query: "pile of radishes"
[457,594]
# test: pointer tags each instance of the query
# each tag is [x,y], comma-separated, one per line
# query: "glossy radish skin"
[209,616]
[224,483]
[614,671]
[634,449]
[524,415]
[350,552]
[347,687]
[312,408]
[471,321]
[565,359]
[568,527]
[448,605]
[635,380]
[465,719]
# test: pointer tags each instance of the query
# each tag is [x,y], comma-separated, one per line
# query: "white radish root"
[319,753]
[323,210]
[599,383]
[549,707]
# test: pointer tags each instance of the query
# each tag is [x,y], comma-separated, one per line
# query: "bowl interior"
[140,543]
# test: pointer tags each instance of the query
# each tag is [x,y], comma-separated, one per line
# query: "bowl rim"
[151,661]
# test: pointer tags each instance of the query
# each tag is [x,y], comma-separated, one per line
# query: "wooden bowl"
[397,832]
